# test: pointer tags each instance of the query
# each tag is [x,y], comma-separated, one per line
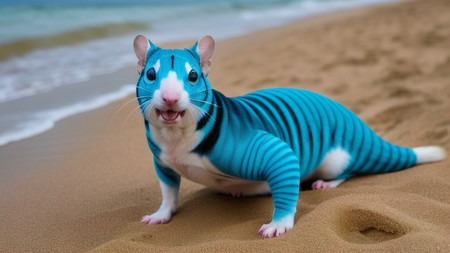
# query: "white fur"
[334,163]
[157,66]
[277,228]
[167,208]
[429,154]
[171,87]
[320,184]
[188,67]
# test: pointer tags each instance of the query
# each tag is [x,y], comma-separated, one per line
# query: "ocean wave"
[23,46]
[305,8]
[42,121]
[44,70]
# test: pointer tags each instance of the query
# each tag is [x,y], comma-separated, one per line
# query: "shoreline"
[21,47]
[86,182]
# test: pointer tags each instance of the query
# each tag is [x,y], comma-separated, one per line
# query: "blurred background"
[61,57]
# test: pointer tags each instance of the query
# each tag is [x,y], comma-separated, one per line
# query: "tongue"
[170,115]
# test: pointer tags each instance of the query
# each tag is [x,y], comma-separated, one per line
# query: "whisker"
[149,107]
[148,97]
[199,92]
[138,87]
[196,113]
[127,118]
[203,112]
[123,106]
[192,115]
[127,103]
[200,101]
[145,104]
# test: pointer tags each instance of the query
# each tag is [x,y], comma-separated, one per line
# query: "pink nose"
[170,100]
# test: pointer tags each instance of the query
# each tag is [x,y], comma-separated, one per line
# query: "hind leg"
[320,184]
[333,165]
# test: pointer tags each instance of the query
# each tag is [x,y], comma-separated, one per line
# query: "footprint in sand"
[367,227]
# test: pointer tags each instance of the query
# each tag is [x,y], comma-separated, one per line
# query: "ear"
[205,49]
[141,48]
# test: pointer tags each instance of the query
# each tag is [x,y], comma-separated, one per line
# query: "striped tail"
[429,154]
[386,157]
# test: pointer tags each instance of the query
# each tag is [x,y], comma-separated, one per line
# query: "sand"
[84,185]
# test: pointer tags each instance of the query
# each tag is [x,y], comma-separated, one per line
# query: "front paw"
[157,218]
[276,228]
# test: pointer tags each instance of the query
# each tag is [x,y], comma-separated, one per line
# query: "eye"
[193,76]
[151,74]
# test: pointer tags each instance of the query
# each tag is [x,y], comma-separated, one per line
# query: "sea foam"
[43,121]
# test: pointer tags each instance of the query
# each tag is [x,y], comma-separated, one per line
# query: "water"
[48,48]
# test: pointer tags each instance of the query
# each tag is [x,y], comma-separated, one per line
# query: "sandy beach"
[84,185]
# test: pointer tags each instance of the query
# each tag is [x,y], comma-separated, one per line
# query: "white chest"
[176,154]
[197,169]
[201,170]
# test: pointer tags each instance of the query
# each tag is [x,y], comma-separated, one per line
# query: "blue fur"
[275,135]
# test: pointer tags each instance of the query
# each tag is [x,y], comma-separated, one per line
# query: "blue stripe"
[206,144]
[207,117]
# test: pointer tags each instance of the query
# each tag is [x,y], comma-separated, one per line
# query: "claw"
[156,218]
[320,184]
[276,228]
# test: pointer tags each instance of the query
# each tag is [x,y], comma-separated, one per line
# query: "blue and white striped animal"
[266,142]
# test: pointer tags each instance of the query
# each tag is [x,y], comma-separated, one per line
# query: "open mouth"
[170,116]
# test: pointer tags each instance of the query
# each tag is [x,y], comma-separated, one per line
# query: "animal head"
[172,89]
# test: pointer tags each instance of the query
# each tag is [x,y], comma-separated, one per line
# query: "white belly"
[201,170]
